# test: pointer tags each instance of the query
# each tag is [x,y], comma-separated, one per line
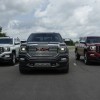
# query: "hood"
[93,44]
[5,45]
[46,44]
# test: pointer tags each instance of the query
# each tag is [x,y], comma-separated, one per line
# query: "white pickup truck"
[9,49]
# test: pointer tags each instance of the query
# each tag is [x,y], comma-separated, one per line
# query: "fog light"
[7,56]
[22,58]
[63,59]
[92,54]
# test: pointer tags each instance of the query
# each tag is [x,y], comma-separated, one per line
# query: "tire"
[22,68]
[86,61]
[65,69]
[77,56]
[13,59]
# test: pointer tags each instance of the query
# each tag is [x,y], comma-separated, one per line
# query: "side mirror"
[23,42]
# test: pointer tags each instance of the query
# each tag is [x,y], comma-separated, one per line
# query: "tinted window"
[93,40]
[6,41]
[45,38]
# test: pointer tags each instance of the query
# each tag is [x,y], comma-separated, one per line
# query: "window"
[6,41]
[16,41]
[45,37]
[93,40]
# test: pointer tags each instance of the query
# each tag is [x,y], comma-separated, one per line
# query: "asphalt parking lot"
[81,83]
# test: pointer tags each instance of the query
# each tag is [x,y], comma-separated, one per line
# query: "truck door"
[82,46]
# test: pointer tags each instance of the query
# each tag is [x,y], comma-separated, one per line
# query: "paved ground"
[81,83]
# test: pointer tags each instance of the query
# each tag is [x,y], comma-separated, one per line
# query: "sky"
[71,18]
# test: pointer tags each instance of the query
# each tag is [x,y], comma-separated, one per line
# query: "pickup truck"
[89,48]
[9,49]
[44,48]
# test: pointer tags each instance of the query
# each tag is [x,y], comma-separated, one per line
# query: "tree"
[70,42]
[1,33]
[0,29]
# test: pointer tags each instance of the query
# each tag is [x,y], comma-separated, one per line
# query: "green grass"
[71,47]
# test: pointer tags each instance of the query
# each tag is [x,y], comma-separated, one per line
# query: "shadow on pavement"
[91,63]
[44,72]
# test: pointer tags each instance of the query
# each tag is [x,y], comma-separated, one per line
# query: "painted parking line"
[75,64]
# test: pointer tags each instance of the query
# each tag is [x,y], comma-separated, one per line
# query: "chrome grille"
[51,51]
[98,49]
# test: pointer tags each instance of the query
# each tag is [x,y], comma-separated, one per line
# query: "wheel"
[86,61]
[13,59]
[22,68]
[77,56]
[65,68]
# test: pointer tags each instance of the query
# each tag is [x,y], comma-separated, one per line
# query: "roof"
[89,36]
[6,38]
[45,33]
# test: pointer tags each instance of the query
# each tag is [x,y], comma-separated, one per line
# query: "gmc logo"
[42,49]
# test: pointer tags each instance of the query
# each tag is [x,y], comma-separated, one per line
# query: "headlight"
[62,49]
[23,49]
[93,48]
[6,49]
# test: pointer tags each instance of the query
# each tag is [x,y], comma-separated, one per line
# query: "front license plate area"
[42,65]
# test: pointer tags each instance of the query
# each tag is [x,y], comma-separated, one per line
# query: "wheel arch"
[14,51]
[85,50]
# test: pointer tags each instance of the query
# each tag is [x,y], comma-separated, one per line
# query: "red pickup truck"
[89,48]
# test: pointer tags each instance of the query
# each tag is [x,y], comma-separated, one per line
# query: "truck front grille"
[98,49]
[42,51]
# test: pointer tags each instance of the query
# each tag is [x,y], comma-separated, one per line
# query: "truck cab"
[89,48]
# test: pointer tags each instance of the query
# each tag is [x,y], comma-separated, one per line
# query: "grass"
[71,47]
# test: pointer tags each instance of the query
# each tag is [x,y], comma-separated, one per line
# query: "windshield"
[6,41]
[93,40]
[43,37]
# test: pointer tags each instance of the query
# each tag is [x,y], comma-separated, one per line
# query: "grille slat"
[52,51]
[98,49]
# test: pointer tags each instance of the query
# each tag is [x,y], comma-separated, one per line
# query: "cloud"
[71,18]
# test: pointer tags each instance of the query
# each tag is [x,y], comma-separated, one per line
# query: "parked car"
[89,48]
[44,48]
[9,49]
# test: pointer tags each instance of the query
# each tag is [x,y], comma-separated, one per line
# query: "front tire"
[86,61]
[65,68]
[77,56]
[13,59]
[22,68]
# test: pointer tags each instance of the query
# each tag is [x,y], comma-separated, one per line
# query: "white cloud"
[71,18]
[81,14]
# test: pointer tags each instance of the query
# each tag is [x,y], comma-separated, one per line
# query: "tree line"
[70,42]
[1,33]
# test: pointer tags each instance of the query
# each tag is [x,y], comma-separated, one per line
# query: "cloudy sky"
[71,18]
